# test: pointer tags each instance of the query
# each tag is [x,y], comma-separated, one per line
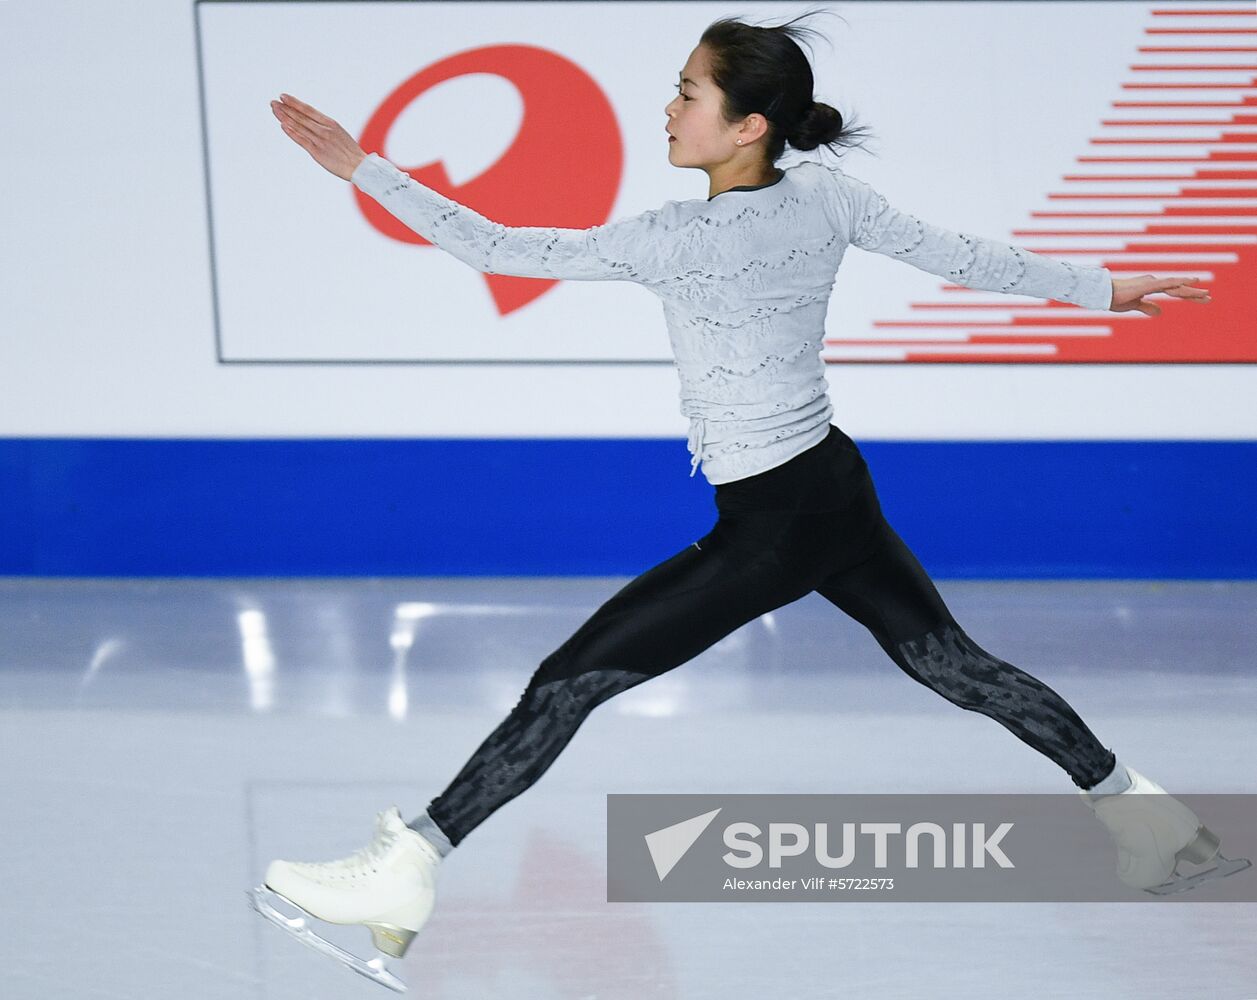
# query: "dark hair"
[762,69]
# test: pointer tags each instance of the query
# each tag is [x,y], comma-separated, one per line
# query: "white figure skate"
[1154,832]
[388,886]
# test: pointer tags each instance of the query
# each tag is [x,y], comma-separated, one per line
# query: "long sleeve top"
[745,278]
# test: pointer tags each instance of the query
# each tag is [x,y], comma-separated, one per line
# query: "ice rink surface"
[164,739]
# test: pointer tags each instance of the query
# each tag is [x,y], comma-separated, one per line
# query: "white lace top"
[745,278]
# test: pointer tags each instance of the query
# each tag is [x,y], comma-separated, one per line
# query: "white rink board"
[153,336]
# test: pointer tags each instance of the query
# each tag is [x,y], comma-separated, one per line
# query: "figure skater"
[745,277]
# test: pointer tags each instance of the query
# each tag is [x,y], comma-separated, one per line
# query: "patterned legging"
[812,524]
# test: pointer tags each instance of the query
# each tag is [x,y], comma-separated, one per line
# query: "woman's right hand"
[323,138]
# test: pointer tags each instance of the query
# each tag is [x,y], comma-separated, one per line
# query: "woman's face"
[701,135]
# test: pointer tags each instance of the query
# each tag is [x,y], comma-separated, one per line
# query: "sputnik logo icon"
[668,846]
[562,170]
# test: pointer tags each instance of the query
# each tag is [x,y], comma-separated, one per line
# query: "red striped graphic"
[1173,238]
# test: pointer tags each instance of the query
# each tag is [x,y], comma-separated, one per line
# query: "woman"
[745,276]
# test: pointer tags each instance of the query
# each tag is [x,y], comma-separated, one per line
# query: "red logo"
[563,170]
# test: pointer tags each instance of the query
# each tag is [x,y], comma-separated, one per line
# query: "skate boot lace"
[368,857]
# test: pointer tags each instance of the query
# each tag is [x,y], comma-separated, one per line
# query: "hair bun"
[818,124]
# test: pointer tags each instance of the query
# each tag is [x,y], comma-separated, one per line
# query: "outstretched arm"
[973,261]
[977,262]
[615,251]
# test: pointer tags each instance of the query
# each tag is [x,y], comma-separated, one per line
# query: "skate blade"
[1182,883]
[376,970]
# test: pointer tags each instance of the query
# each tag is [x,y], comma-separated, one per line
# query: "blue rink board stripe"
[458,507]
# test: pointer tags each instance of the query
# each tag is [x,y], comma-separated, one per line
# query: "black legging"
[813,523]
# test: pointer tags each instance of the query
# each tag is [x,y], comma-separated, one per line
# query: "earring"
[739,142]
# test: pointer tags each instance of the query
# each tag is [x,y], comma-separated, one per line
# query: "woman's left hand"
[1128,293]
[331,146]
